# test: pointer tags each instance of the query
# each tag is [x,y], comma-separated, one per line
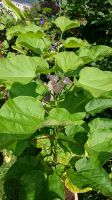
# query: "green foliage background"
[56,133]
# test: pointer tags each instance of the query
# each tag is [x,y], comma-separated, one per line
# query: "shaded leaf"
[21,166]
[75,138]
[89,176]
[32,185]
[55,188]
[99,144]
[18,89]
[74,101]
[18,147]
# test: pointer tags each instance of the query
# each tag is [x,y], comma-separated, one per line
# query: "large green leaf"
[34,42]
[98,105]
[94,53]
[19,119]
[65,23]
[99,144]
[68,61]
[61,117]
[73,42]
[22,68]
[16,10]
[55,188]
[97,82]
[89,176]
[32,185]
[19,29]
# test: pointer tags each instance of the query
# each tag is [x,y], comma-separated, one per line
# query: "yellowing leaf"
[74,188]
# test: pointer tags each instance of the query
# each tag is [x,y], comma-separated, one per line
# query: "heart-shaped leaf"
[20,29]
[22,68]
[73,42]
[68,61]
[65,23]
[19,119]
[94,53]
[34,42]
[96,81]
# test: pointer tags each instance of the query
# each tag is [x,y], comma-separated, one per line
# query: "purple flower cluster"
[52,48]
[42,21]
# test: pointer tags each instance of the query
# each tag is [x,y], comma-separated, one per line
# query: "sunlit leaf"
[98,105]
[73,42]
[20,29]
[60,116]
[97,82]
[34,42]
[67,61]
[65,23]
[22,68]
[19,119]
[94,53]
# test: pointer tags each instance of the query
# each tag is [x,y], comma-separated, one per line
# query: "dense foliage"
[56,100]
